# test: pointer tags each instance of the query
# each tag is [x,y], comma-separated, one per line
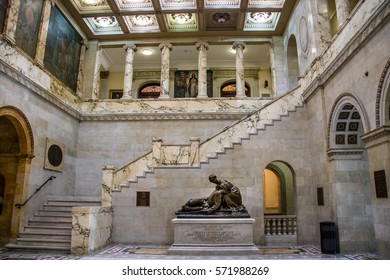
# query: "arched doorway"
[16,152]
[279,204]
[150,90]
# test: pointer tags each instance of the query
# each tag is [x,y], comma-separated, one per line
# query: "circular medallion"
[303,35]
[54,155]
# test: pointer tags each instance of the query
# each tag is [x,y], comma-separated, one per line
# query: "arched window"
[150,90]
[229,90]
[347,127]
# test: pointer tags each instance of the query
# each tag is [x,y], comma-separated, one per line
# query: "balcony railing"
[280,225]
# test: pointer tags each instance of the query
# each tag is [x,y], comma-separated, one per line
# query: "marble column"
[80,76]
[11,21]
[202,47]
[240,82]
[41,45]
[165,49]
[272,64]
[128,80]
[343,10]
[96,74]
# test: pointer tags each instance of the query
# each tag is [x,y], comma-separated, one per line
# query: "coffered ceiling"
[147,23]
[137,19]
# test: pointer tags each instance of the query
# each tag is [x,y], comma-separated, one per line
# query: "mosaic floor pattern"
[120,251]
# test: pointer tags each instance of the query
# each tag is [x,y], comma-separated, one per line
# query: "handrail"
[37,190]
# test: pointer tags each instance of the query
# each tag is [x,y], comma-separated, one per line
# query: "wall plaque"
[380,184]
[320,196]
[143,198]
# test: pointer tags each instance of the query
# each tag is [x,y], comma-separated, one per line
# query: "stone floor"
[121,251]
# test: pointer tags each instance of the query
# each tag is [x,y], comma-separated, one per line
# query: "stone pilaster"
[165,49]
[279,65]
[44,26]
[11,21]
[202,47]
[343,10]
[80,76]
[96,74]
[240,81]
[128,80]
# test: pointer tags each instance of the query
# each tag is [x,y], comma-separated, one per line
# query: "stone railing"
[280,225]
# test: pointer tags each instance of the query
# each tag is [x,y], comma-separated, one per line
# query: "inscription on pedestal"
[206,232]
[214,234]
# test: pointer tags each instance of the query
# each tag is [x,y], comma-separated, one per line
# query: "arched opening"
[149,90]
[278,182]
[228,89]
[292,62]
[279,204]
[16,152]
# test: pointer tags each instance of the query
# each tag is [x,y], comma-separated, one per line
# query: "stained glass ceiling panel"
[126,19]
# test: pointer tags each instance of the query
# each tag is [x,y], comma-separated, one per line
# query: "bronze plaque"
[380,184]
[320,196]
[143,198]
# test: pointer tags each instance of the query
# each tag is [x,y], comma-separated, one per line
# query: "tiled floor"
[119,251]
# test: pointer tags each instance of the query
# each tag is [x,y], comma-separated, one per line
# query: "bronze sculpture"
[224,201]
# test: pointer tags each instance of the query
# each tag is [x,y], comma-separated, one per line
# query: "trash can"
[329,236]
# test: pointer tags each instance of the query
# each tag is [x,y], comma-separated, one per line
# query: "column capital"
[85,43]
[130,46]
[239,45]
[165,45]
[202,45]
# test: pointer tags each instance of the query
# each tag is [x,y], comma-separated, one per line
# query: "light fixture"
[91,2]
[147,52]
[105,21]
[143,20]
[182,17]
[260,16]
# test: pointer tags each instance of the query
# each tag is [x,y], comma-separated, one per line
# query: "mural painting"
[186,83]
[62,53]
[27,28]
[3,12]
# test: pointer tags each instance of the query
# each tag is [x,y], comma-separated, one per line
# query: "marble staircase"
[115,179]
[50,229]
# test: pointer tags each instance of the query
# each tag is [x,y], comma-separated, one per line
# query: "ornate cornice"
[345,154]
[34,87]
[376,136]
[164,116]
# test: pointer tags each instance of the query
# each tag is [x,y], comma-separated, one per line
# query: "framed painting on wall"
[63,46]
[27,28]
[186,84]
[3,13]
[116,93]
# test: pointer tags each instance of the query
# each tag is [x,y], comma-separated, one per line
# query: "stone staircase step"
[55,223]
[38,248]
[59,202]
[41,242]
[48,229]
[52,218]
[47,236]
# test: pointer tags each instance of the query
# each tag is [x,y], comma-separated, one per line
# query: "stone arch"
[346,124]
[232,93]
[382,105]
[286,177]
[292,61]
[151,94]
[16,159]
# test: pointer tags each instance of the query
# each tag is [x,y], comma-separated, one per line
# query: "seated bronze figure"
[224,201]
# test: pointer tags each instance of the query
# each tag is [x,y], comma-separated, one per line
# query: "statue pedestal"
[213,236]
